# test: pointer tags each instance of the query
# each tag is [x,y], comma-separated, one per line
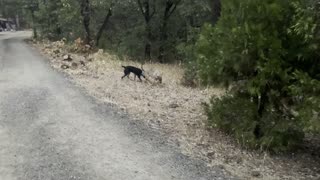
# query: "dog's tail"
[124,66]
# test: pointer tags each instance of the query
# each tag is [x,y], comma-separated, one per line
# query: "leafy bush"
[187,52]
[272,46]
[236,115]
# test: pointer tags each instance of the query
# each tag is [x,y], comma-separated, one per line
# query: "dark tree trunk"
[262,102]
[216,10]
[18,22]
[104,25]
[163,39]
[169,10]
[147,14]
[85,12]
[148,46]
[147,52]
[35,33]
[59,31]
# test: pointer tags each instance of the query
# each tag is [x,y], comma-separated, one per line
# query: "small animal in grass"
[136,71]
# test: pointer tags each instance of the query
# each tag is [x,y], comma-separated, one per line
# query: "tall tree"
[32,6]
[86,13]
[170,7]
[148,10]
[48,16]
[216,10]
[104,24]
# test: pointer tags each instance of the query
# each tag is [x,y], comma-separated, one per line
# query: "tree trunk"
[170,8]
[163,39]
[147,53]
[35,34]
[85,12]
[103,27]
[147,14]
[17,22]
[216,10]
[261,108]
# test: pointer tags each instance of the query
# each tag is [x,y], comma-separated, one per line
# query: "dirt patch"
[175,110]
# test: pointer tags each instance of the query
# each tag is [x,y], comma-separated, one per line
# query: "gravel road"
[51,130]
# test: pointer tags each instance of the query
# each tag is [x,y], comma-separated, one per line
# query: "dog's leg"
[126,73]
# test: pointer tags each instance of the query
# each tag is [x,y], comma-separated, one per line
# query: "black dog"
[136,71]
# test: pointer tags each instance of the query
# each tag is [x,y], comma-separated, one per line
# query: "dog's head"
[142,74]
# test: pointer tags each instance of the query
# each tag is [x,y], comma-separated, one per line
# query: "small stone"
[64,66]
[74,65]
[90,59]
[67,58]
[256,174]
[220,166]
[56,51]
[239,160]
[82,63]
[211,154]
[173,105]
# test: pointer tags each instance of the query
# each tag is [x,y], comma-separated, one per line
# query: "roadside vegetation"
[268,51]
[265,54]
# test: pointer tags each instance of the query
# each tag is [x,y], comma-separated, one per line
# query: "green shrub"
[272,46]
[187,52]
[234,115]
[237,116]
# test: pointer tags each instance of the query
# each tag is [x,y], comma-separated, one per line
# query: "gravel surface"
[50,129]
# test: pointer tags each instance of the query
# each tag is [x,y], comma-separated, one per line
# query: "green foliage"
[236,115]
[272,46]
[126,31]
[307,93]
[48,19]
[187,52]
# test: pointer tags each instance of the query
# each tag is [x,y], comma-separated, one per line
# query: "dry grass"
[171,74]
[177,111]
